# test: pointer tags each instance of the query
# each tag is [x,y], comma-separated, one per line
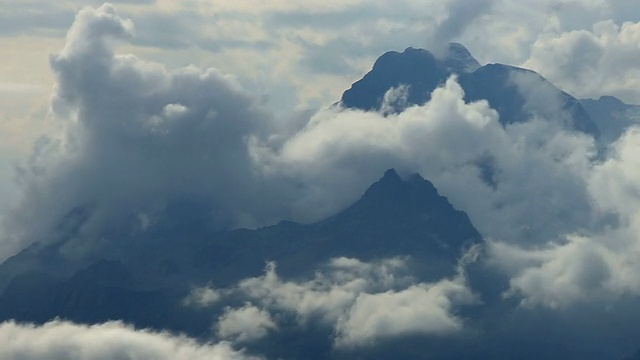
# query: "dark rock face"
[410,211]
[517,94]
[415,67]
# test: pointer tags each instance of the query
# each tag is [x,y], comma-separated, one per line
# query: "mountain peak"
[407,210]
[608,99]
[415,67]
[419,68]
[458,59]
[402,189]
[391,176]
[455,49]
[508,89]
[393,194]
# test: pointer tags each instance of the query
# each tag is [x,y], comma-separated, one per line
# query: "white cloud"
[592,62]
[421,309]
[601,265]
[366,302]
[327,295]
[137,135]
[59,340]
[244,324]
[203,297]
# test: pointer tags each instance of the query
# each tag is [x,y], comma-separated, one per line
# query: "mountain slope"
[611,115]
[517,94]
[415,67]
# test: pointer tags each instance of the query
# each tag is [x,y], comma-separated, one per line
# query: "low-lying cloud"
[247,323]
[60,340]
[362,302]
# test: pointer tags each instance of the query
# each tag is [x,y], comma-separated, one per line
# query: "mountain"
[517,94]
[415,67]
[612,116]
[145,283]
[457,59]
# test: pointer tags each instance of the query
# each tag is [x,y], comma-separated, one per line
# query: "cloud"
[364,302]
[203,297]
[59,340]
[137,137]
[460,15]
[326,296]
[423,309]
[561,275]
[247,323]
[592,62]
[597,266]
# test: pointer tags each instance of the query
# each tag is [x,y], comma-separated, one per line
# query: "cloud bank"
[58,340]
[247,323]
[362,302]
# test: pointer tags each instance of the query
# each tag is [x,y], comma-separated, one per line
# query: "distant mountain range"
[145,276]
[394,217]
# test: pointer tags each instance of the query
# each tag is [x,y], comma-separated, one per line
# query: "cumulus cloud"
[327,295]
[596,266]
[203,297]
[363,302]
[247,323]
[59,340]
[423,309]
[592,62]
[137,135]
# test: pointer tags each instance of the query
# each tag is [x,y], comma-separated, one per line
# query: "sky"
[123,107]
